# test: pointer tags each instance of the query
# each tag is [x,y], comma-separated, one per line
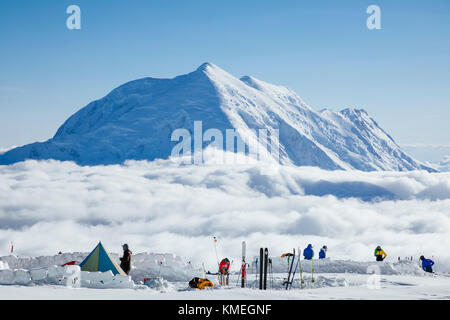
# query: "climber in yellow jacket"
[380,254]
[199,283]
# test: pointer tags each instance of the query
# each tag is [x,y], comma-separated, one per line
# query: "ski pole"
[301,273]
[215,249]
[243,265]
[290,270]
[270,272]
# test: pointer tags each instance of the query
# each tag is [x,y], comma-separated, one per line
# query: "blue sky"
[320,49]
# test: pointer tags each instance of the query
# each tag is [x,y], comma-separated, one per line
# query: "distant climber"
[380,254]
[323,252]
[427,264]
[125,261]
[308,253]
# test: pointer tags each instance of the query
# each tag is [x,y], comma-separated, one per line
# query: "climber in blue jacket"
[308,253]
[427,264]
[323,252]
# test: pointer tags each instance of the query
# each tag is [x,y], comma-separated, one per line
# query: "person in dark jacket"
[323,252]
[427,264]
[308,253]
[125,261]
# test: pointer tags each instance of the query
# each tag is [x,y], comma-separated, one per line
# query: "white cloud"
[3,150]
[161,206]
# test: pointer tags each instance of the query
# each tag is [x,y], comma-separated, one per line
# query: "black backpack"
[194,283]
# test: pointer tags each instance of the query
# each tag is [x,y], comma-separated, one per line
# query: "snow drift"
[402,267]
[136,120]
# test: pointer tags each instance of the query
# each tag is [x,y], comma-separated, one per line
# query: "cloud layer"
[162,206]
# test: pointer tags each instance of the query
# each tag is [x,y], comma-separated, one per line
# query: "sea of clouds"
[164,206]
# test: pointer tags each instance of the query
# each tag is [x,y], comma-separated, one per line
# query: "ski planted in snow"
[261,259]
[301,271]
[266,262]
[295,269]
[243,267]
[263,265]
[287,282]
[271,273]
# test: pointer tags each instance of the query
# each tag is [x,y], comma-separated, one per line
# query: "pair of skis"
[263,262]
[299,264]
[291,274]
[243,266]
[292,271]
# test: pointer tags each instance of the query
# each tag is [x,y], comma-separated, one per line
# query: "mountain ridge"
[135,121]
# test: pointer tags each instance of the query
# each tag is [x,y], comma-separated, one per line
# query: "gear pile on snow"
[200,283]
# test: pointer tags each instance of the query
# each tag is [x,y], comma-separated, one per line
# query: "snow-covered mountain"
[136,120]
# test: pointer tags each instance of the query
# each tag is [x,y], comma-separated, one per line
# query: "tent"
[100,260]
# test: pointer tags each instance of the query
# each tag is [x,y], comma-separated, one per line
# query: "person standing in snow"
[323,252]
[224,268]
[308,253]
[125,261]
[380,254]
[427,264]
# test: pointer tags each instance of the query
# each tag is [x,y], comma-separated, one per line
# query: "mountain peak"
[212,72]
[206,66]
[136,120]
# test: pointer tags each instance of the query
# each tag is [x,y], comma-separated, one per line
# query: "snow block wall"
[29,263]
[280,265]
[144,265]
[105,280]
[173,268]
[3,265]
[18,277]
[69,276]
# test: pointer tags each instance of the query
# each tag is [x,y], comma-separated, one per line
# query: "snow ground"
[333,279]
[395,287]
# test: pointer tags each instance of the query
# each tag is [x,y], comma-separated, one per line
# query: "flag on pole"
[12,247]
[215,248]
